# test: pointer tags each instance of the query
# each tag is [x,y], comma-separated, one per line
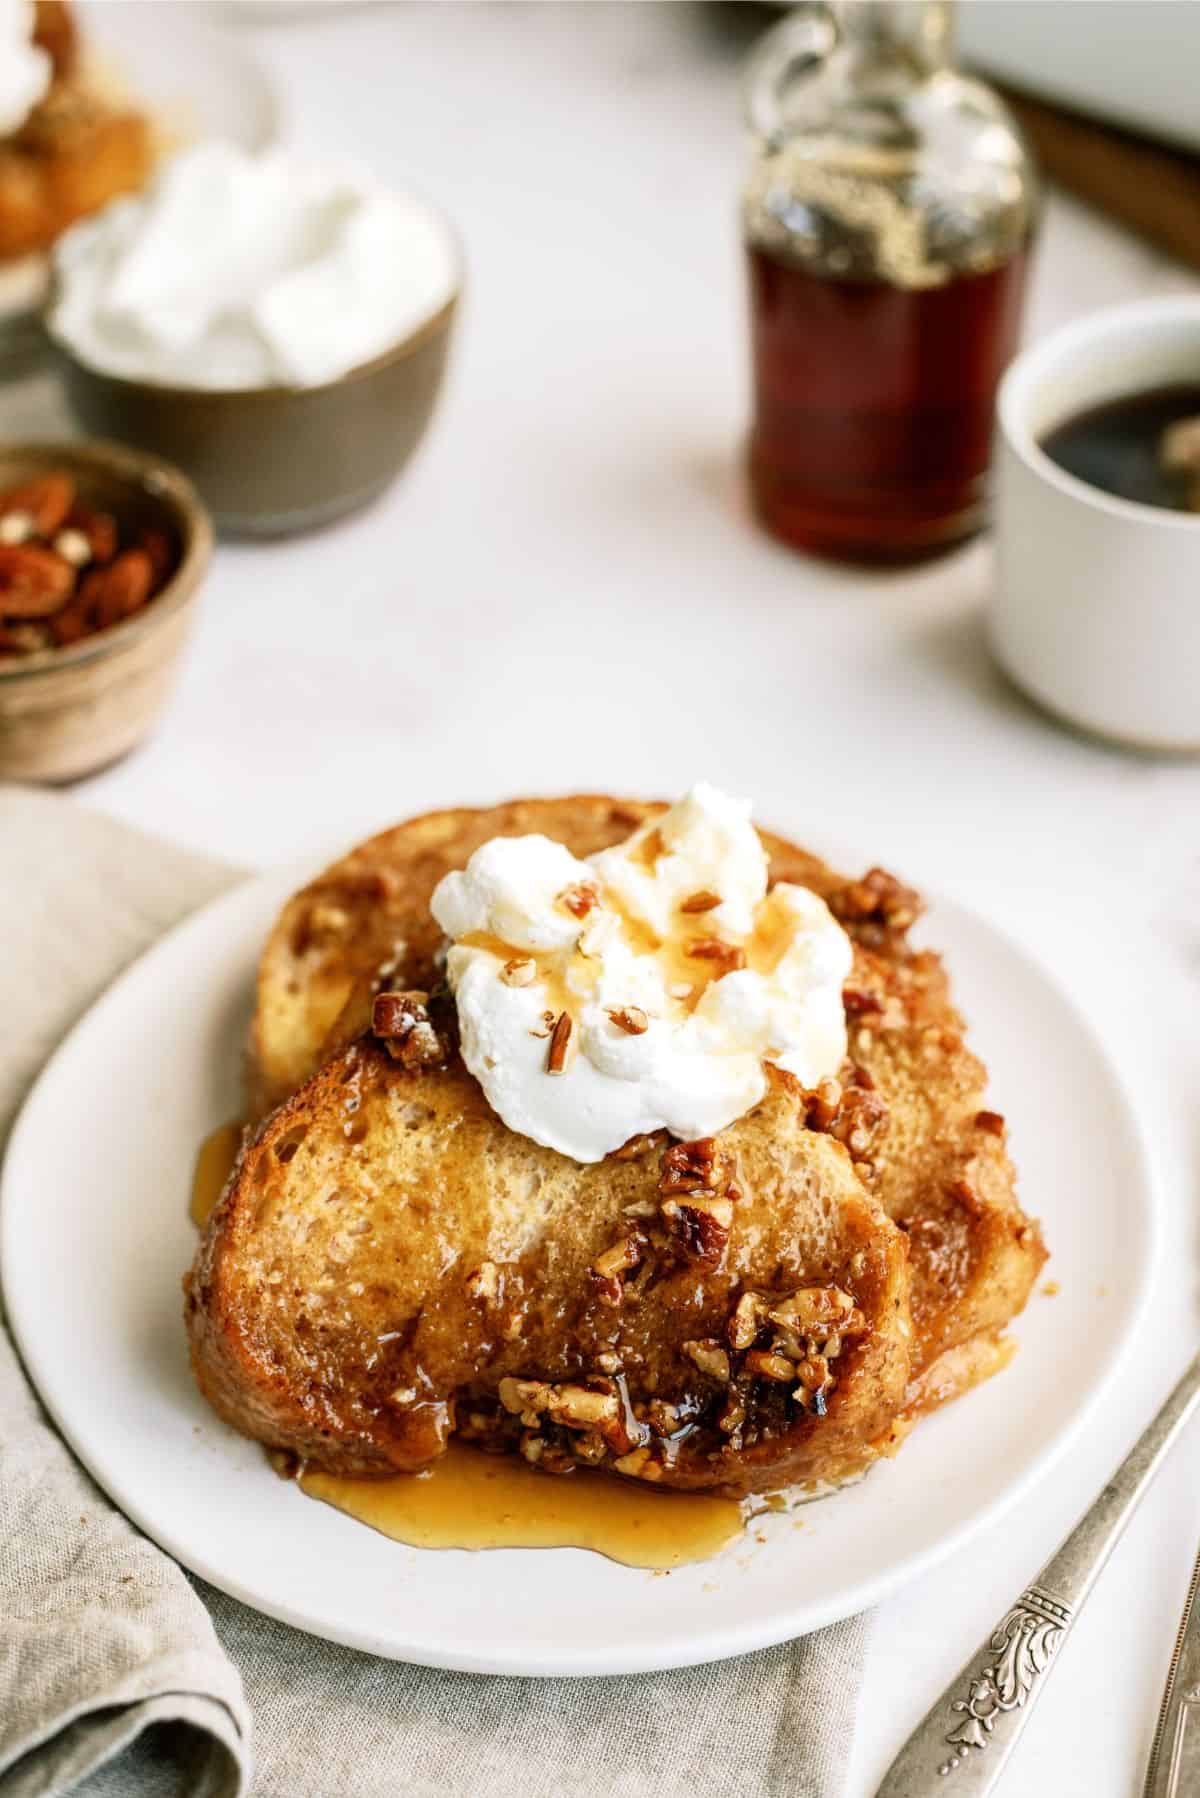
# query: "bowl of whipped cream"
[276,327]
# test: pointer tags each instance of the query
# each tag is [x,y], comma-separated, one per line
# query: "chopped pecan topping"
[619,1258]
[579,1408]
[631,1019]
[767,1365]
[402,1022]
[664,1419]
[700,902]
[708,1355]
[579,900]
[590,1448]
[560,1042]
[596,1408]
[852,1112]
[546,1455]
[824,1105]
[746,1320]
[698,1226]
[712,948]
[815,1309]
[991,1121]
[635,1148]
[789,1337]
[860,1004]
[878,898]
[526,1399]
[640,1464]
[696,1166]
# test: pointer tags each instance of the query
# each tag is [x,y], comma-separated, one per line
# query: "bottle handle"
[798,46]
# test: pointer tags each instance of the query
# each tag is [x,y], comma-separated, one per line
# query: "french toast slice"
[390,1264]
[916,1117]
[73,154]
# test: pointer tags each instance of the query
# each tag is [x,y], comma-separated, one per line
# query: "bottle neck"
[896,37]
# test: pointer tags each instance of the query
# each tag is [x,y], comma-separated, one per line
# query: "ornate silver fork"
[963,1744]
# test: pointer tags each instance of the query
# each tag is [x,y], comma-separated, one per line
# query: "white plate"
[194,80]
[94,1238]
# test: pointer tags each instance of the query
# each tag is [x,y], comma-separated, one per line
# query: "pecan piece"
[579,900]
[713,948]
[698,1226]
[98,528]
[34,582]
[823,1105]
[117,590]
[708,1355]
[746,1320]
[693,1167]
[815,1309]
[766,1365]
[560,1042]
[402,1022]
[878,898]
[622,1255]
[45,502]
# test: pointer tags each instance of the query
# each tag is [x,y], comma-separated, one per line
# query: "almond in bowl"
[102,551]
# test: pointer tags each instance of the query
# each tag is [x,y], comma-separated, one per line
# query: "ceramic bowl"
[67,712]
[1096,611]
[272,460]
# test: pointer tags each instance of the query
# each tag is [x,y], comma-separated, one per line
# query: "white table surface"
[565,591]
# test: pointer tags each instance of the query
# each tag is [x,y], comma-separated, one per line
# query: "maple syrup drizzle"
[214,1163]
[469,1499]
[686,975]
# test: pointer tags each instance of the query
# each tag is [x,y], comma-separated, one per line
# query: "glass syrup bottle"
[887,221]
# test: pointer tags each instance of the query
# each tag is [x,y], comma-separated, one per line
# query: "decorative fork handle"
[1174,1769]
[965,1741]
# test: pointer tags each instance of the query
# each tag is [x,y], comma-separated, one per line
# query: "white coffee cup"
[1096,610]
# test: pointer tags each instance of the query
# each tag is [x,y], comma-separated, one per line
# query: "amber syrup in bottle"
[873,406]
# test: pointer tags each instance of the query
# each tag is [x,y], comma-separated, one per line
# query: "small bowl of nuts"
[102,551]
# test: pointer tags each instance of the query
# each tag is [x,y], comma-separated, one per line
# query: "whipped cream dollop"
[234,270]
[676,972]
[24,67]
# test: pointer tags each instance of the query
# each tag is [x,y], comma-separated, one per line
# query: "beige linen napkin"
[122,1677]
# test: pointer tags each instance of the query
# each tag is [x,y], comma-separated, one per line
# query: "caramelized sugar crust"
[390,1263]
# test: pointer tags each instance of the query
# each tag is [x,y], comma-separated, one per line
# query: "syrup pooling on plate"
[470,1499]
[214,1163]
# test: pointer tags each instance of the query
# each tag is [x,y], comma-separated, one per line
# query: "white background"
[566,591]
